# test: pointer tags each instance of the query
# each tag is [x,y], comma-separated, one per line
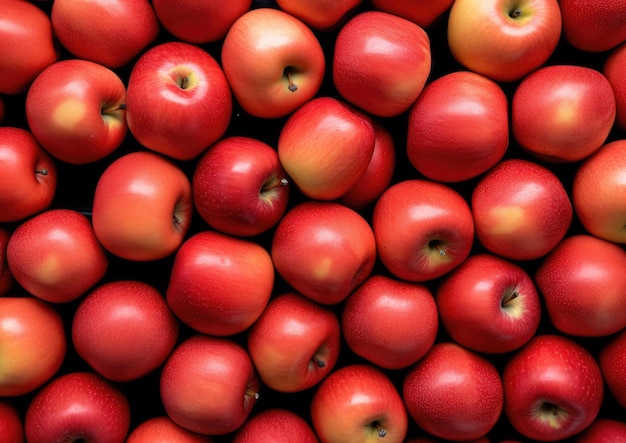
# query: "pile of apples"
[298,221]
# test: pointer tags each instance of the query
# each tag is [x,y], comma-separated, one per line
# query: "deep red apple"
[613,69]
[592,25]
[603,430]
[162,429]
[612,360]
[424,13]
[6,278]
[275,424]
[11,425]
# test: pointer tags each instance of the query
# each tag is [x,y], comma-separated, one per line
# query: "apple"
[78,406]
[324,250]
[325,147]
[199,22]
[27,45]
[29,179]
[423,229]
[424,12]
[381,62]
[192,108]
[321,15]
[219,284]
[142,206]
[273,62]
[453,393]
[56,256]
[295,343]
[6,278]
[612,361]
[389,322]
[11,425]
[613,69]
[593,26]
[109,34]
[240,187]
[489,304]
[124,330]
[75,110]
[584,286]
[358,403]
[209,385]
[552,388]
[521,209]
[162,429]
[458,128]
[33,344]
[502,39]
[603,430]
[275,424]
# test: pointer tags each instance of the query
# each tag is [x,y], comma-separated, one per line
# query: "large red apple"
[603,430]
[423,12]
[321,15]
[11,424]
[592,25]
[162,429]
[6,278]
[612,361]
[275,424]
[613,69]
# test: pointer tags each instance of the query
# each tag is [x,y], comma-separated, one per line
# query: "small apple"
[593,26]
[162,429]
[275,424]
[424,12]
[612,361]
[11,425]
[603,430]
[613,69]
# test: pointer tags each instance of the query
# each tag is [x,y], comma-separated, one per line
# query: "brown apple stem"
[515,13]
[437,245]
[509,297]
[42,172]
[292,86]
[319,362]
[282,182]
[251,393]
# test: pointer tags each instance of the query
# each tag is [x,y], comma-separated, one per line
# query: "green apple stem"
[252,393]
[292,86]
[512,296]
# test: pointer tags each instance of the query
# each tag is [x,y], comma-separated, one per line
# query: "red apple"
[209,385]
[422,12]
[6,278]
[423,229]
[381,62]
[240,187]
[603,430]
[552,388]
[592,25]
[295,343]
[458,127]
[162,429]
[453,393]
[273,61]
[11,425]
[321,15]
[178,100]
[613,69]
[275,424]
[612,361]
[142,206]
[324,250]
[219,284]
[56,255]
[521,210]
[358,403]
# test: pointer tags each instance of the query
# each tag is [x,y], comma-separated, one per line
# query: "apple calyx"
[43,171]
[318,362]
[382,432]
[515,13]
[291,85]
[436,244]
[551,414]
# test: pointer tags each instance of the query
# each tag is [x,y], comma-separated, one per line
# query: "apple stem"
[292,86]
[509,297]
[252,393]
[381,431]
[319,362]
[280,183]
[42,172]
[435,244]
[176,219]
[515,13]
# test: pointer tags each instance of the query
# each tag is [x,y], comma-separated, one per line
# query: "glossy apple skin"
[320,15]
[173,86]
[208,385]
[26,45]
[67,260]
[295,343]
[240,187]
[472,308]
[381,62]
[84,28]
[162,429]
[356,402]
[81,406]
[563,113]
[614,69]
[593,26]
[521,210]
[423,229]
[124,330]
[423,13]
[584,286]
[458,127]
[553,388]
[603,430]
[33,344]
[219,284]
[275,424]
[11,425]
[142,206]
[612,360]
[29,179]
[453,393]
[74,110]
[324,250]
[389,322]
[6,278]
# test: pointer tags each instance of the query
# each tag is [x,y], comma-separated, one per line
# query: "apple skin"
[219,284]
[563,113]
[176,85]
[75,109]
[489,304]
[295,343]
[453,393]
[612,361]
[152,196]
[358,403]
[11,425]
[78,406]
[603,430]
[501,39]
[553,388]
[321,15]
[7,281]
[33,344]
[423,13]
[423,229]
[381,62]
[389,322]
[324,250]
[162,429]
[273,425]
[26,45]
[273,62]
[584,286]
[209,385]
[85,28]
[240,187]
[458,127]
[124,330]
[593,26]
[29,179]
[521,210]
[613,69]
[67,261]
